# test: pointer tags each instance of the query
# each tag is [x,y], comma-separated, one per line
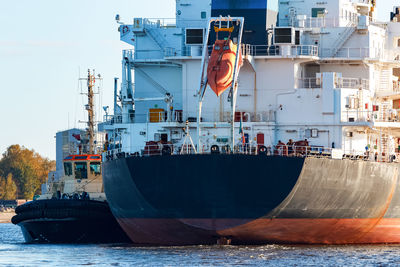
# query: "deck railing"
[354,115]
[248,149]
[177,116]
[348,115]
[170,22]
[276,51]
[168,149]
[266,51]
[160,22]
[352,53]
[308,83]
[351,83]
[251,50]
[322,22]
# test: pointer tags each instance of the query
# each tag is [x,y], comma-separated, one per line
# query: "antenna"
[105,108]
[91,80]
[118,19]
[187,142]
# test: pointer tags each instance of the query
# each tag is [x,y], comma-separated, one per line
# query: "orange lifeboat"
[221,65]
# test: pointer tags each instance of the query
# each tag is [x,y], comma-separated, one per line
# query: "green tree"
[28,169]
[2,187]
[10,188]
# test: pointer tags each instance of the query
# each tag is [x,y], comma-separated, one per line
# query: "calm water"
[13,252]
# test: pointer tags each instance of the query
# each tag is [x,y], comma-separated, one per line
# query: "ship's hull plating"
[197,199]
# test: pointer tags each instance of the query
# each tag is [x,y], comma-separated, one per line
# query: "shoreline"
[5,217]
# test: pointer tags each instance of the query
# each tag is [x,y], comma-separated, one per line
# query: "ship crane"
[221,24]
[167,97]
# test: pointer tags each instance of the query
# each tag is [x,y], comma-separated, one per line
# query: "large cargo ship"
[301,146]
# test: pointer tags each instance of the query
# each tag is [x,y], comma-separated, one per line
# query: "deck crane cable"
[159,87]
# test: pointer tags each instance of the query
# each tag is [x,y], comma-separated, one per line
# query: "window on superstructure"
[297,38]
[95,168]
[68,168]
[80,170]
[194,36]
[203,15]
[318,12]
[283,35]
[398,42]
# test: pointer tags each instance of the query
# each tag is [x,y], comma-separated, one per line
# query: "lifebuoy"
[262,150]
[214,149]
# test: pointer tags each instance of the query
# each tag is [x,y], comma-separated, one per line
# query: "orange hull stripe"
[293,231]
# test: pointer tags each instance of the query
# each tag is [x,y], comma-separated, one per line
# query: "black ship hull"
[68,221]
[201,199]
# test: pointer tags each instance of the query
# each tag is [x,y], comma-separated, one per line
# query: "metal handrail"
[264,50]
[356,115]
[351,83]
[280,151]
[308,83]
[247,50]
[169,22]
[283,150]
[276,50]
[180,117]
[353,52]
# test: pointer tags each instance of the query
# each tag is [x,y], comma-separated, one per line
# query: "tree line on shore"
[22,172]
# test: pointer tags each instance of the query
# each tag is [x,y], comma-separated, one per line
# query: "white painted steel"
[331,83]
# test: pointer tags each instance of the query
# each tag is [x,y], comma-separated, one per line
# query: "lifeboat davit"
[222,64]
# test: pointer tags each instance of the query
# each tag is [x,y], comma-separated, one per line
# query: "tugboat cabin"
[83,172]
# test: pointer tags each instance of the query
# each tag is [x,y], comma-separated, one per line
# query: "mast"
[89,140]
[89,107]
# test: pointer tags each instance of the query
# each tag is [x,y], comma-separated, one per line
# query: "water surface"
[13,252]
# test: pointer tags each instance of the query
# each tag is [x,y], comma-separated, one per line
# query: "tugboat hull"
[200,199]
[68,221]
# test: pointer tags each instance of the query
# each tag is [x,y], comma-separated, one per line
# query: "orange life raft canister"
[221,65]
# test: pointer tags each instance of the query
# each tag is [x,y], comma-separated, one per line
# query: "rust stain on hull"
[265,231]
[318,231]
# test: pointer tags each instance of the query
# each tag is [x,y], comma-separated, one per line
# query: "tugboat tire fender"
[62,213]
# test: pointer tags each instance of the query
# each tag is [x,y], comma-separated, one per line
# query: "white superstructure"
[328,72]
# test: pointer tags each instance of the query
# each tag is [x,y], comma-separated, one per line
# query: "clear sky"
[45,45]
